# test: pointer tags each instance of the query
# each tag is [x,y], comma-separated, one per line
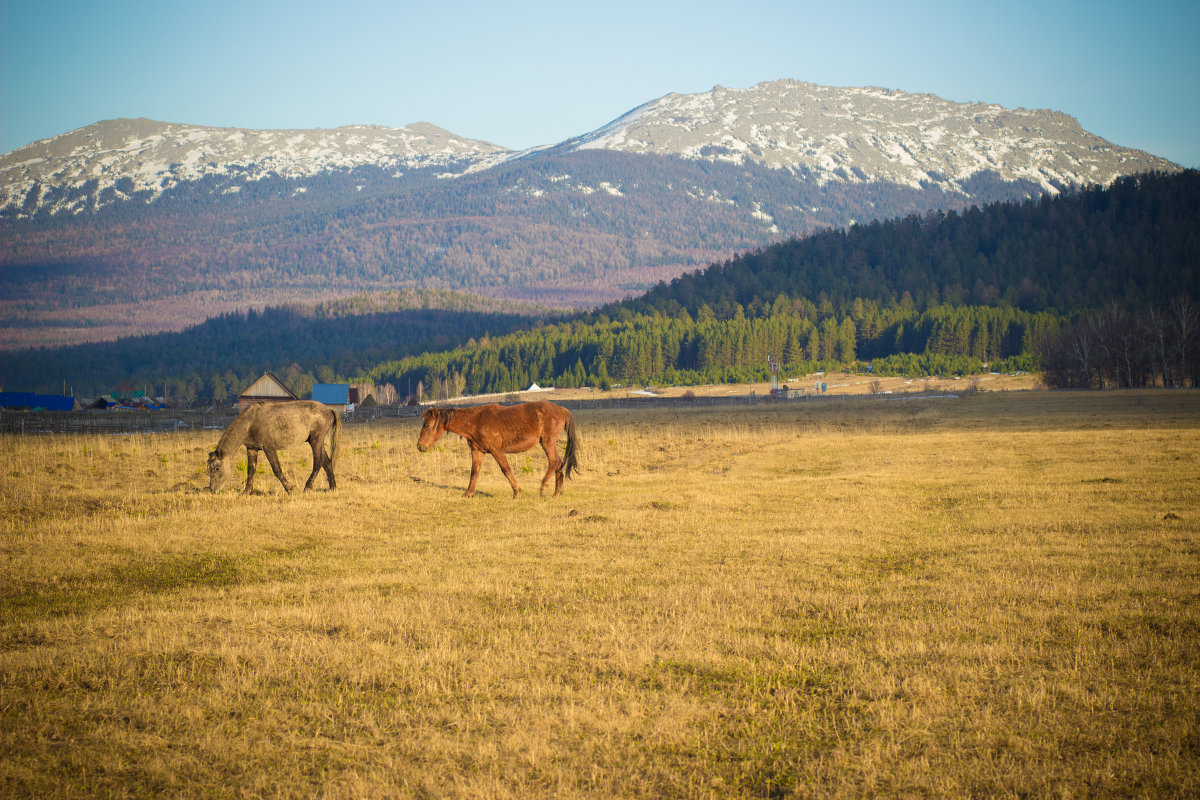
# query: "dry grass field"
[992,596]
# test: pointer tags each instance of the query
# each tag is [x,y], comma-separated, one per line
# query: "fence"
[110,422]
[129,422]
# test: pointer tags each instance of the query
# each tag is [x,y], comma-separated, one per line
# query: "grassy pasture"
[994,596]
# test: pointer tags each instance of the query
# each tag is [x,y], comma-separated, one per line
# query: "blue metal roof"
[50,402]
[331,393]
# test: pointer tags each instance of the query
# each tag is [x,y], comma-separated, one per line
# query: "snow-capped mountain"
[871,134]
[132,226]
[821,134]
[124,159]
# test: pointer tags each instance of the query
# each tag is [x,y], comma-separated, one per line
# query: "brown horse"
[270,427]
[498,430]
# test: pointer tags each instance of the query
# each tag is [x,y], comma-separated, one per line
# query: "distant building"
[338,396]
[36,402]
[267,389]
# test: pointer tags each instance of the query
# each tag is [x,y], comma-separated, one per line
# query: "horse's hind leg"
[328,462]
[317,443]
[553,467]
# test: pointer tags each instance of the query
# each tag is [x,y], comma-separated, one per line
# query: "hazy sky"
[526,73]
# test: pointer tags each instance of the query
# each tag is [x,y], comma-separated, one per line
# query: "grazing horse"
[271,427]
[499,429]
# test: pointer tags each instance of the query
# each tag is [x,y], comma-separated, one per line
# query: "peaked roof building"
[267,389]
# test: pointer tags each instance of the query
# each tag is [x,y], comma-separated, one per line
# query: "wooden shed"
[267,389]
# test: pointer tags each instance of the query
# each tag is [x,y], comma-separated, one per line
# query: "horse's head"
[219,469]
[433,425]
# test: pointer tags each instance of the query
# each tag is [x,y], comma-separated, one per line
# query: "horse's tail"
[571,456]
[333,437]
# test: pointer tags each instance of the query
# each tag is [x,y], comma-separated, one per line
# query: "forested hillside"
[1113,273]
[643,348]
[301,344]
[1137,242]
[1097,286]
[573,229]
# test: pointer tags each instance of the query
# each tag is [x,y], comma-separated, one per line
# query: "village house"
[267,389]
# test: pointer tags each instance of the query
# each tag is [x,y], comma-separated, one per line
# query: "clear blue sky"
[528,73]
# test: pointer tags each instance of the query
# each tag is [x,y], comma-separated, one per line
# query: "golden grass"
[988,597]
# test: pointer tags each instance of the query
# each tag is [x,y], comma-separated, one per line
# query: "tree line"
[659,348]
[1011,286]
[1136,241]
[1109,347]
[1095,286]
[1115,347]
[301,344]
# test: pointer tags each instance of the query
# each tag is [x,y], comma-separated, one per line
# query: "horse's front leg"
[502,460]
[273,458]
[476,463]
[251,467]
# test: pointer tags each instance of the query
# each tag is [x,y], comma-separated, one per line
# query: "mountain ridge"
[801,123]
[136,226]
[851,134]
[141,157]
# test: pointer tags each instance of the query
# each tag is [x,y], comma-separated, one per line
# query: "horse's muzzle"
[422,447]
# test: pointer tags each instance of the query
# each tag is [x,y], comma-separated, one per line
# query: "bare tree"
[1082,346]
[1111,346]
[1122,354]
[1185,322]
[1069,358]
[1156,326]
[386,395]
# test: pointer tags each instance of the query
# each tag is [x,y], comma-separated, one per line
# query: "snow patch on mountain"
[143,157]
[821,134]
[885,135]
